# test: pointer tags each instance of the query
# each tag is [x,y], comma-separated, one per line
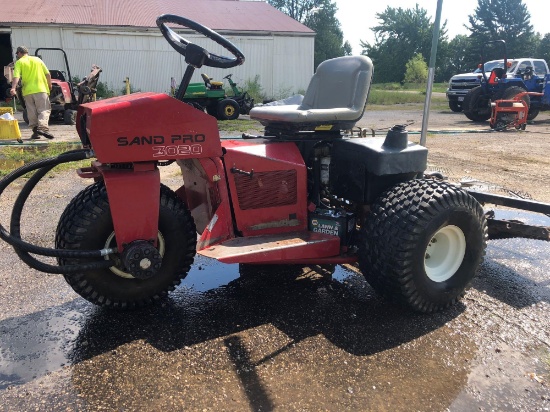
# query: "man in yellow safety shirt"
[37,84]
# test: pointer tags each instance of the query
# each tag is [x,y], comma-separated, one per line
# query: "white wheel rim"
[445,253]
[108,244]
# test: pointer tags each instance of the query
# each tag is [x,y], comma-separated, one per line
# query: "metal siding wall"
[282,63]
[293,65]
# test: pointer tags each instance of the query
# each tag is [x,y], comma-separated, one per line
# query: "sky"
[358,16]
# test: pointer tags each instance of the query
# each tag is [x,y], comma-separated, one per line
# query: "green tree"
[506,20]
[319,16]
[543,49]
[416,70]
[297,9]
[458,58]
[329,38]
[400,34]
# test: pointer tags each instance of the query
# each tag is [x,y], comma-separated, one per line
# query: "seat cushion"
[337,94]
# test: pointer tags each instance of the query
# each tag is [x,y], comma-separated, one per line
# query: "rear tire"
[511,92]
[86,224]
[228,109]
[532,113]
[476,106]
[422,244]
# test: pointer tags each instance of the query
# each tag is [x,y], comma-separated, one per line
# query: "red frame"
[163,128]
[517,106]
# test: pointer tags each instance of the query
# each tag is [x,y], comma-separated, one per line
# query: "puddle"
[43,342]
[264,335]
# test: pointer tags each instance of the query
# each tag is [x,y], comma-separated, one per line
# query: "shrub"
[416,70]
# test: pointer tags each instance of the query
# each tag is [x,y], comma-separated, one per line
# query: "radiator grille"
[266,189]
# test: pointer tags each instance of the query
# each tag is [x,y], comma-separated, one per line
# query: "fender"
[133,201]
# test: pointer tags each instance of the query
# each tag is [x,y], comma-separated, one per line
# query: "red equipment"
[306,192]
[511,113]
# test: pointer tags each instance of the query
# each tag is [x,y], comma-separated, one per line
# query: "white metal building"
[122,38]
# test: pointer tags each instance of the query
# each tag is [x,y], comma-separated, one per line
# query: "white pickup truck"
[460,84]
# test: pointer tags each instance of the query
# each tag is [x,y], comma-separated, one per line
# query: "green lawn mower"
[210,96]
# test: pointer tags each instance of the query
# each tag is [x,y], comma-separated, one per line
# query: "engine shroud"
[361,169]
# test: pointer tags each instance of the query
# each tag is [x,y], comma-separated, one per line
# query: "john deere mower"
[211,97]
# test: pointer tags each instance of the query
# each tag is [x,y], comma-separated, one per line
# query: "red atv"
[306,192]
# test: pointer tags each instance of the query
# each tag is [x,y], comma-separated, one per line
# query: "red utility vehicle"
[307,192]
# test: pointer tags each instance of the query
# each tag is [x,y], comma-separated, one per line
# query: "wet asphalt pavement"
[284,339]
[231,338]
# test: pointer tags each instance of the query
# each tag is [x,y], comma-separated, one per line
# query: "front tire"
[476,106]
[455,106]
[422,244]
[86,223]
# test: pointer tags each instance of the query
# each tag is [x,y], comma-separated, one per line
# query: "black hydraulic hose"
[45,165]
[22,248]
[15,226]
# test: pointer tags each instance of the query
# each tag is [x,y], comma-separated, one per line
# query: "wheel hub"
[142,259]
[445,253]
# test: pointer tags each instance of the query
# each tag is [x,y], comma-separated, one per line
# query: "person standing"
[37,83]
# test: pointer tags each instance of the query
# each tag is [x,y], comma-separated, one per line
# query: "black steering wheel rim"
[180,44]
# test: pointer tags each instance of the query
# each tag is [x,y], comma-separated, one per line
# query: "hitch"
[503,229]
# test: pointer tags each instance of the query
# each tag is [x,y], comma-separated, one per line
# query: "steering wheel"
[194,54]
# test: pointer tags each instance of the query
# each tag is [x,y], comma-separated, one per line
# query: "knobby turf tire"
[86,223]
[476,106]
[395,238]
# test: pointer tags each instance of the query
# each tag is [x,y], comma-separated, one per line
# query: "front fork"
[133,200]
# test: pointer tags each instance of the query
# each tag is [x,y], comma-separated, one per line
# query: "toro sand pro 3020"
[304,193]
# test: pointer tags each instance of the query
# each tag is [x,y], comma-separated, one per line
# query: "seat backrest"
[342,82]
[206,79]
[57,75]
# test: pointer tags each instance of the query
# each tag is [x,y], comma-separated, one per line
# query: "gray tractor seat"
[335,98]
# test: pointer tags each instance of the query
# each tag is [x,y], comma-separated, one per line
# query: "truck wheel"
[228,109]
[69,117]
[422,244]
[476,106]
[86,224]
[455,106]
